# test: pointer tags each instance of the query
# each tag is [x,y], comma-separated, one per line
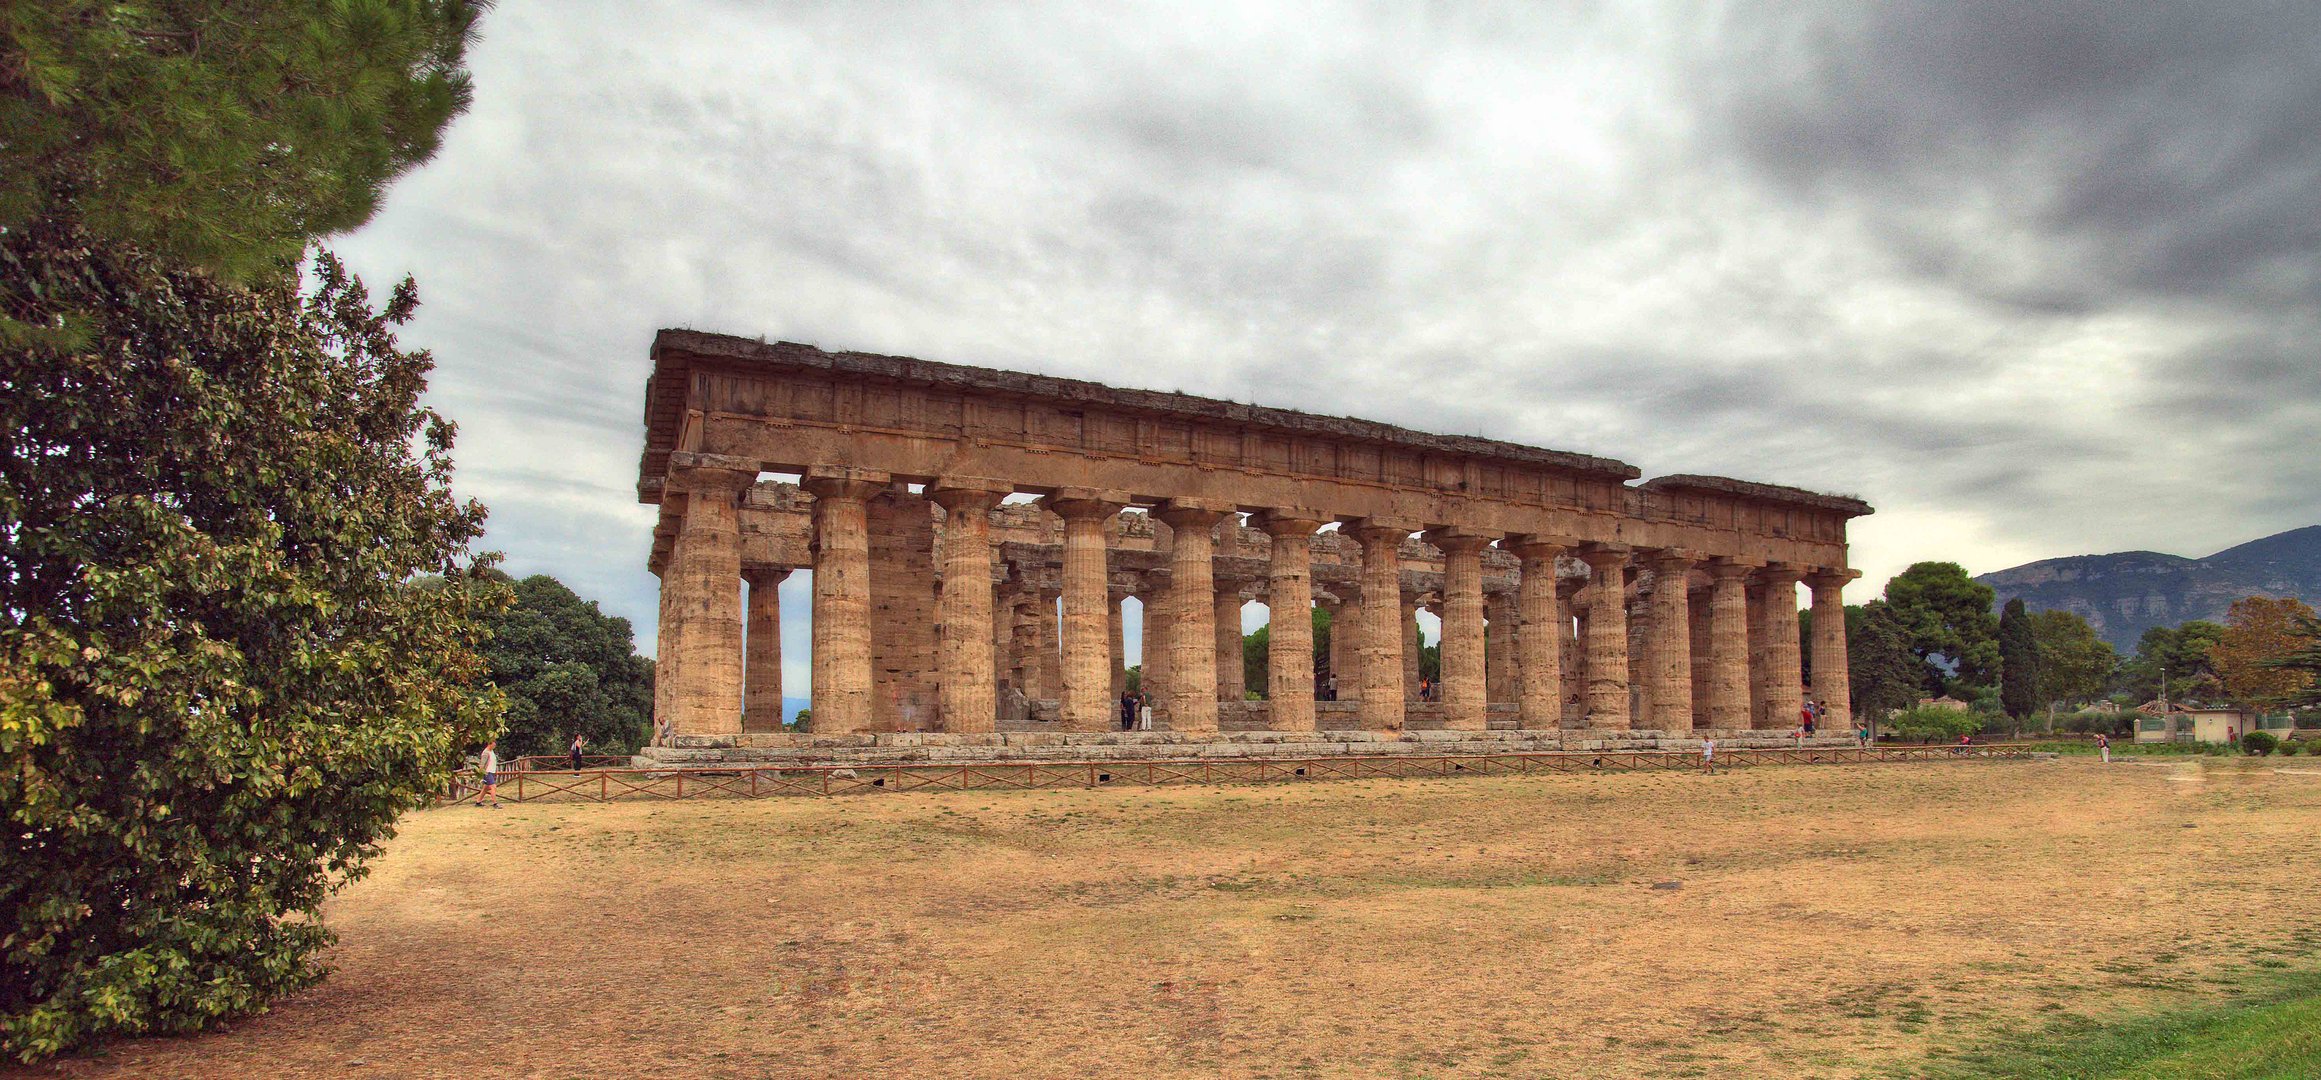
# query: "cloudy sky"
[2035,280]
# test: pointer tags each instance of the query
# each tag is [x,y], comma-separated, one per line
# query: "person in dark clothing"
[1128,704]
[578,741]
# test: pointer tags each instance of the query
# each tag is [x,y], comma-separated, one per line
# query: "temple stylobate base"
[763,749]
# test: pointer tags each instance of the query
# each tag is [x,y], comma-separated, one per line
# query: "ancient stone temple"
[1571,598]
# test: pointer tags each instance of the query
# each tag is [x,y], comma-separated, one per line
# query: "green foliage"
[804,721]
[2264,1032]
[1256,662]
[1430,659]
[239,630]
[1930,722]
[2305,656]
[567,668]
[2183,654]
[2092,722]
[2259,743]
[224,134]
[1880,668]
[2286,749]
[2020,671]
[1947,618]
[2074,664]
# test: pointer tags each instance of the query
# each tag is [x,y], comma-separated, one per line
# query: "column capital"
[1726,568]
[1376,530]
[1082,504]
[1567,588]
[968,494]
[1192,513]
[1603,557]
[729,479]
[1456,541]
[1537,545]
[759,576]
[1288,521]
[842,482]
[1831,577]
[1778,574]
[1672,559]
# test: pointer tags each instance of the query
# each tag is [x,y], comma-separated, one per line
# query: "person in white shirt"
[490,766]
[1708,756]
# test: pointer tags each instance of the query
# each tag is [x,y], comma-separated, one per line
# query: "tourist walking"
[489,764]
[2103,746]
[578,741]
[1708,756]
[1127,710]
[1862,732]
[1805,719]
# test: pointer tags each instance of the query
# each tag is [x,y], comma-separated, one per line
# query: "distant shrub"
[1931,722]
[2287,749]
[2259,743]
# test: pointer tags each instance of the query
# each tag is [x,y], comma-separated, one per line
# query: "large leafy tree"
[2177,659]
[222,672]
[225,133]
[2074,664]
[2020,672]
[1947,618]
[567,668]
[1882,672]
[239,618]
[2257,631]
[2304,658]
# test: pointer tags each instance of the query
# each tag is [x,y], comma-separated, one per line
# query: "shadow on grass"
[2273,1032]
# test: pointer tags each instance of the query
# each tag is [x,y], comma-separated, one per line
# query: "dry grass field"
[1822,921]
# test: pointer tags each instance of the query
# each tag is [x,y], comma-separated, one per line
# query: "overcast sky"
[2034,280]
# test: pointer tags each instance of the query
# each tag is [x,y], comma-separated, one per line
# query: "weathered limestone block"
[1785,677]
[969,692]
[1192,614]
[1463,649]
[1539,632]
[903,616]
[1289,637]
[1729,693]
[1671,642]
[1380,661]
[1086,703]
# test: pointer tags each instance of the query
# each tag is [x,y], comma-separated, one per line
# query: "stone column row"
[1734,665]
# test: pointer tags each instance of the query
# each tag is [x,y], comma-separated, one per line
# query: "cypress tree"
[2019,674]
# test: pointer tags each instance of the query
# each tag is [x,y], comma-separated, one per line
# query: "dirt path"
[1824,921]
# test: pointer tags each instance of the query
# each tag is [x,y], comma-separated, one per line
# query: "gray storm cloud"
[2035,279]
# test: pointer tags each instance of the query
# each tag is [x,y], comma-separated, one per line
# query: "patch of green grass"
[2274,1033]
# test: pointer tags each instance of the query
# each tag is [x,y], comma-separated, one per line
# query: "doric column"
[1671,674]
[1002,642]
[665,678]
[1729,646]
[1226,624]
[1785,677]
[1086,697]
[1158,625]
[761,673]
[1117,593]
[1465,692]
[704,582]
[1193,613]
[1410,645]
[1341,622]
[1697,605]
[968,694]
[1381,640]
[1607,644]
[841,549]
[1830,680]
[1289,656]
[1572,689]
[1539,632]
[1050,643]
[1499,659]
[1759,668]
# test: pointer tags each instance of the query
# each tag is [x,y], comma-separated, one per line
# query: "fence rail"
[764,781]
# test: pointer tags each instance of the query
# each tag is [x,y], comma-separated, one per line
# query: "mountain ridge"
[2124,593]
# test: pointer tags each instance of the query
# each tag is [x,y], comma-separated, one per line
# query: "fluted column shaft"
[1671,629]
[761,696]
[1465,690]
[1607,644]
[1785,678]
[1729,647]
[1050,642]
[1226,622]
[1289,656]
[842,664]
[1119,646]
[1831,681]
[1539,633]
[1759,669]
[1410,646]
[968,693]
[1192,612]
[1086,702]
[704,619]
[1158,625]
[1570,624]
[1697,607]
[1381,640]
